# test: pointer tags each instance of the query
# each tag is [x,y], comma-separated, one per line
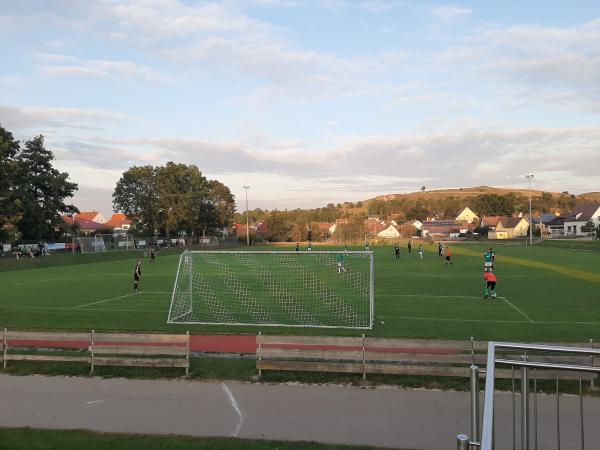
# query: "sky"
[308,101]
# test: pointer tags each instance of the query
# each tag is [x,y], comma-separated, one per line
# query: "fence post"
[462,442]
[364,374]
[92,353]
[258,353]
[524,406]
[475,403]
[4,348]
[592,364]
[187,369]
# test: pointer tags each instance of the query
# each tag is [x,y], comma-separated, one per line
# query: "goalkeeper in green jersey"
[341,263]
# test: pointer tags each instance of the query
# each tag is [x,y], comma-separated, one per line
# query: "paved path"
[425,420]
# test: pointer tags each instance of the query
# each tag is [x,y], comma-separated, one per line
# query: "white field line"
[235,406]
[107,274]
[91,402]
[58,308]
[104,301]
[443,319]
[116,298]
[505,300]
[427,296]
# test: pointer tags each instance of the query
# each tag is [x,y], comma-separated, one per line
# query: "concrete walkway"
[398,418]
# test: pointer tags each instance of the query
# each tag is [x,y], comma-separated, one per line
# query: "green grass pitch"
[545,294]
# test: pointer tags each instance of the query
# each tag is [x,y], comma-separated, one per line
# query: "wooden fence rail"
[103,349]
[372,355]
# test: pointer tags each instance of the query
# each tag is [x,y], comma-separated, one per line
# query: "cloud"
[449,12]
[67,65]
[24,118]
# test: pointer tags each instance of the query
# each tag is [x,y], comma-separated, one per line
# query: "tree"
[136,195]
[423,188]
[492,204]
[589,227]
[280,228]
[417,212]
[221,203]
[40,191]
[9,148]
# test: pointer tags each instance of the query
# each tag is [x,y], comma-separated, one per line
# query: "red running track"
[220,343]
[212,343]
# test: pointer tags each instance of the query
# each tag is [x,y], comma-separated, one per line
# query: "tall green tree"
[9,206]
[136,194]
[173,198]
[41,191]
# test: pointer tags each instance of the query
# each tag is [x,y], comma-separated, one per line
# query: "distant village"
[467,222]
[575,223]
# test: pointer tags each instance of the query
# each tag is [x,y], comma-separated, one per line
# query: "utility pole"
[529,177]
[247,218]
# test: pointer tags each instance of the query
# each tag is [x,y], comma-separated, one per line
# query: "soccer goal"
[275,288]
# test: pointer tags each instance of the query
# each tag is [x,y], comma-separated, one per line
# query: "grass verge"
[42,439]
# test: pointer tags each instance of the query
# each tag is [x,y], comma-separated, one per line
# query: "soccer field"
[545,294]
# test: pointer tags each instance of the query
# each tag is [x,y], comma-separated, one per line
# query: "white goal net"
[275,288]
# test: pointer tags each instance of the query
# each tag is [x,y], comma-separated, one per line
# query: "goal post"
[328,289]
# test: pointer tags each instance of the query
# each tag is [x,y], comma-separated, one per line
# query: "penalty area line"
[505,300]
[104,301]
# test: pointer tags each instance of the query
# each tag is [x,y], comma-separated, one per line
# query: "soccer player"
[421,251]
[297,247]
[448,254]
[488,262]
[409,246]
[397,251]
[137,275]
[490,284]
[367,246]
[440,249]
[152,254]
[340,263]
[309,246]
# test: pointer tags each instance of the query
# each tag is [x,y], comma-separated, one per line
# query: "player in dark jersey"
[137,275]
[397,251]
[409,246]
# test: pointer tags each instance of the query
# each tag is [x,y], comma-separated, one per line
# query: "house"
[467,215]
[510,228]
[325,227]
[240,229]
[417,224]
[93,216]
[443,227]
[579,216]
[556,226]
[490,222]
[390,232]
[263,228]
[118,222]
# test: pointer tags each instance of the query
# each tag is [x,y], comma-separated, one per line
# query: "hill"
[464,193]
[590,196]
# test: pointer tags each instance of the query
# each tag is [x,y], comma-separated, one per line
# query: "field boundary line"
[505,300]
[235,406]
[104,301]
[427,296]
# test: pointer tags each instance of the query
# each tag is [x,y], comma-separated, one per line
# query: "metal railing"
[484,437]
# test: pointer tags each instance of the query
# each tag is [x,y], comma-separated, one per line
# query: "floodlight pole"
[529,177]
[247,218]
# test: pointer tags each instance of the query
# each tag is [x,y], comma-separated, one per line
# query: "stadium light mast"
[247,219]
[530,177]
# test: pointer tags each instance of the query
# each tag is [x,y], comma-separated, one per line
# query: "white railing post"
[475,403]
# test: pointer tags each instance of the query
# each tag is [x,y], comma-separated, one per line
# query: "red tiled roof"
[87,215]
[323,225]
[117,220]
[511,222]
[490,221]
[90,225]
